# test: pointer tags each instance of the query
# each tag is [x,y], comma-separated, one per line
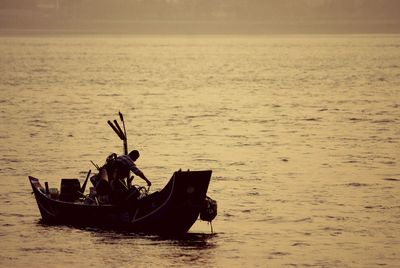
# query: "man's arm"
[139,173]
[144,178]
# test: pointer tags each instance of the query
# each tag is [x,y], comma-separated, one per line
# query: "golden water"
[301,132]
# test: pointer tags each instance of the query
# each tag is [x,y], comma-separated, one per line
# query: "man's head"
[134,155]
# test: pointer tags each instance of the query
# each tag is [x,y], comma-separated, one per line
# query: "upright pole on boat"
[126,137]
[85,182]
[46,184]
[129,179]
[122,135]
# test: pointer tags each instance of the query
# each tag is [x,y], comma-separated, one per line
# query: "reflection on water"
[185,249]
[98,246]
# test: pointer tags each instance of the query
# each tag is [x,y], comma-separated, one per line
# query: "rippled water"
[301,132]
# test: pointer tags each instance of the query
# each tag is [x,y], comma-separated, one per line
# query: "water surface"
[301,132]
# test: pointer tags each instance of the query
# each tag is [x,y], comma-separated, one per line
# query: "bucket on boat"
[69,190]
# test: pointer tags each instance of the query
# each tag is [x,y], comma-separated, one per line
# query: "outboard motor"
[208,211]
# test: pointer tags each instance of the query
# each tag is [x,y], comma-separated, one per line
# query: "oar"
[125,141]
[120,134]
[119,128]
[123,123]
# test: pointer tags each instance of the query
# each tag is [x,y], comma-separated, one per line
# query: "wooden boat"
[173,210]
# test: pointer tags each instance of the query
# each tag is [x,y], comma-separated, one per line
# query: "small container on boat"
[69,190]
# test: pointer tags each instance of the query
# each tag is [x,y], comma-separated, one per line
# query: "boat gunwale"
[159,207]
[38,188]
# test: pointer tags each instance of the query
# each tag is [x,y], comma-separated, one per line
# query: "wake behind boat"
[170,211]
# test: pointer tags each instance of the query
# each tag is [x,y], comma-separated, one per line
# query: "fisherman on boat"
[120,170]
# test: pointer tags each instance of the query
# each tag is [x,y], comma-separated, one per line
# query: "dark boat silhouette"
[172,211]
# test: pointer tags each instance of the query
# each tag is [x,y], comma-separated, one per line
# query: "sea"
[301,132]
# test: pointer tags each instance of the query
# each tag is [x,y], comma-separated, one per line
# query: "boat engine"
[208,211]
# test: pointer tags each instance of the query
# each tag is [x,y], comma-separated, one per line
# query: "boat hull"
[173,210]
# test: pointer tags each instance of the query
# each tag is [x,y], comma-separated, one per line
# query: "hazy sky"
[370,15]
